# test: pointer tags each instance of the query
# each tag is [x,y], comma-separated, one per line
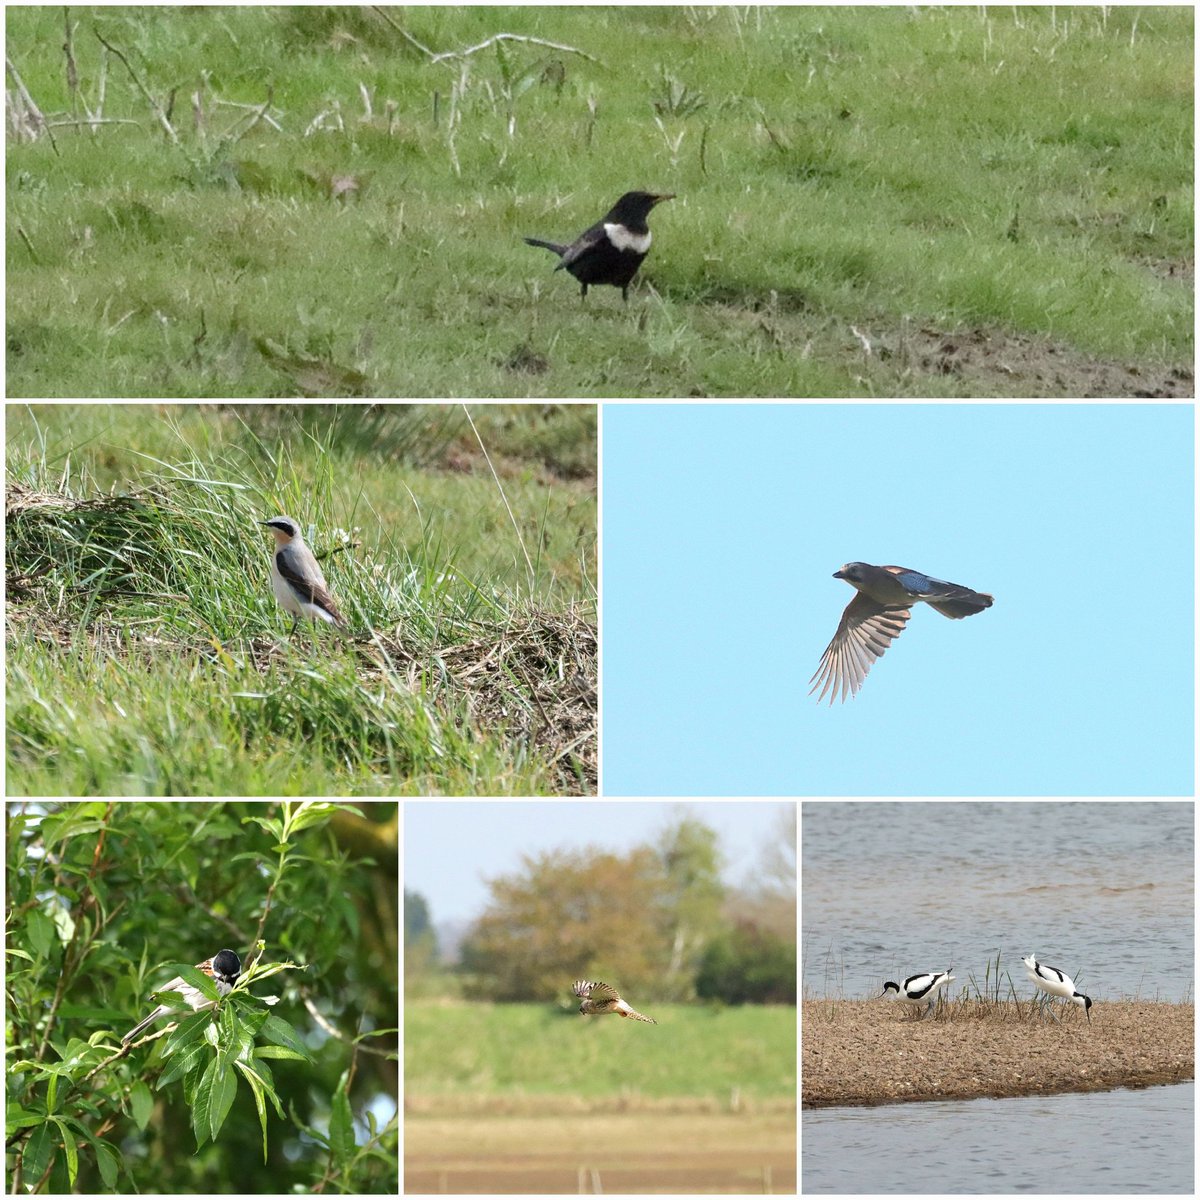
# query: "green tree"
[420,940]
[749,965]
[107,901]
[691,901]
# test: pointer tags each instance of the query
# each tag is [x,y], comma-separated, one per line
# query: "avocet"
[1053,982]
[919,990]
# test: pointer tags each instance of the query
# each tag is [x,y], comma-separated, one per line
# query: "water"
[1130,1142]
[1103,891]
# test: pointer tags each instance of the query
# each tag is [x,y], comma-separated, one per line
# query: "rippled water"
[1131,1142]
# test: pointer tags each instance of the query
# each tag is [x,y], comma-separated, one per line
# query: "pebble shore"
[871,1052]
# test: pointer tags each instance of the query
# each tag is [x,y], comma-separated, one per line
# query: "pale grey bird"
[876,617]
[296,577]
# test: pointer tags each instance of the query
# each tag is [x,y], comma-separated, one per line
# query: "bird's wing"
[866,630]
[584,243]
[601,992]
[314,590]
[950,599]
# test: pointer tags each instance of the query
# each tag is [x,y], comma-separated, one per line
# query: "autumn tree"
[568,915]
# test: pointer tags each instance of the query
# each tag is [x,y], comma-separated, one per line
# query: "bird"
[296,577]
[601,998]
[876,617]
[611,250]
[919,989]
[1053,982]
[223,969]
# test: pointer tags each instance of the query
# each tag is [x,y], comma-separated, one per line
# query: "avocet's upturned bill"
[1053,982]
[919,990]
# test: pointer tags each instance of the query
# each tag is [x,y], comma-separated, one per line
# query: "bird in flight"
[611,250]
[876,617]
[600,998]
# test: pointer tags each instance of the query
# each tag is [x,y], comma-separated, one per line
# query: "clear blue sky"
[723,525]
[451,847]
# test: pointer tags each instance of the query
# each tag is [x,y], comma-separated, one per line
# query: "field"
[146,654]
[643,1152]
[464,1053]
[330,201]
[534,1098]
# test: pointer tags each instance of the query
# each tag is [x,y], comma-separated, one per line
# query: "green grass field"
[517,1051]
[146,654]
[330,201]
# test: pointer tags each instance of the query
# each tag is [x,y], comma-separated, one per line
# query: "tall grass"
[147,656]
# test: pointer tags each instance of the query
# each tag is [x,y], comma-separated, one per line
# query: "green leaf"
[224,1089]
[39,1150]
[277,1030]
[141,1104]
[256,1090]
[108,1162]
[341,1125]
[70,1150]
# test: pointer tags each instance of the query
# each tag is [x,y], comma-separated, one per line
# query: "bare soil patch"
[642,1153]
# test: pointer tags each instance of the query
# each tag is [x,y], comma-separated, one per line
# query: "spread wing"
[866,630]
[595,991]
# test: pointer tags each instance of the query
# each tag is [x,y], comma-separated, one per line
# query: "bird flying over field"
[876,617]
[600,998]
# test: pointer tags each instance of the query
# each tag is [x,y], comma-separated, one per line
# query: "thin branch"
[32,113]
[260,114]
[154,104]
[69,51]
[514,37]
[408,37]
[92,122]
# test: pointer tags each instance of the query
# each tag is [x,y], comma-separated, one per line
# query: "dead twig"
[30,120]
[408,37]
[168,128]
[513,37]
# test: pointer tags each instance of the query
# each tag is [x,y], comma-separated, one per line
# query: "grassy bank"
[486,1053]
[330,201]
[147,656]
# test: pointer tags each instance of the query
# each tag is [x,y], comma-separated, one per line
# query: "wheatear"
[296,577]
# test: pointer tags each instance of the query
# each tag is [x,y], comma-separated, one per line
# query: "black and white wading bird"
[919,991]
[1053,982]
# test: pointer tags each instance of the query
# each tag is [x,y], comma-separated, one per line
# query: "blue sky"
[452,846]
[723,525]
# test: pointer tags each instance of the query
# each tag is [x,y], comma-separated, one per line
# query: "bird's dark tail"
[558,249]
[961,603]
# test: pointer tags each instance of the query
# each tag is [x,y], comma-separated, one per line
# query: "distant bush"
[748,966]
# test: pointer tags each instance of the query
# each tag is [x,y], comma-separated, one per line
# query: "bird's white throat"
[621,237]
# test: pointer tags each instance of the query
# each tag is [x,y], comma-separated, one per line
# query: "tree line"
[657,920]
